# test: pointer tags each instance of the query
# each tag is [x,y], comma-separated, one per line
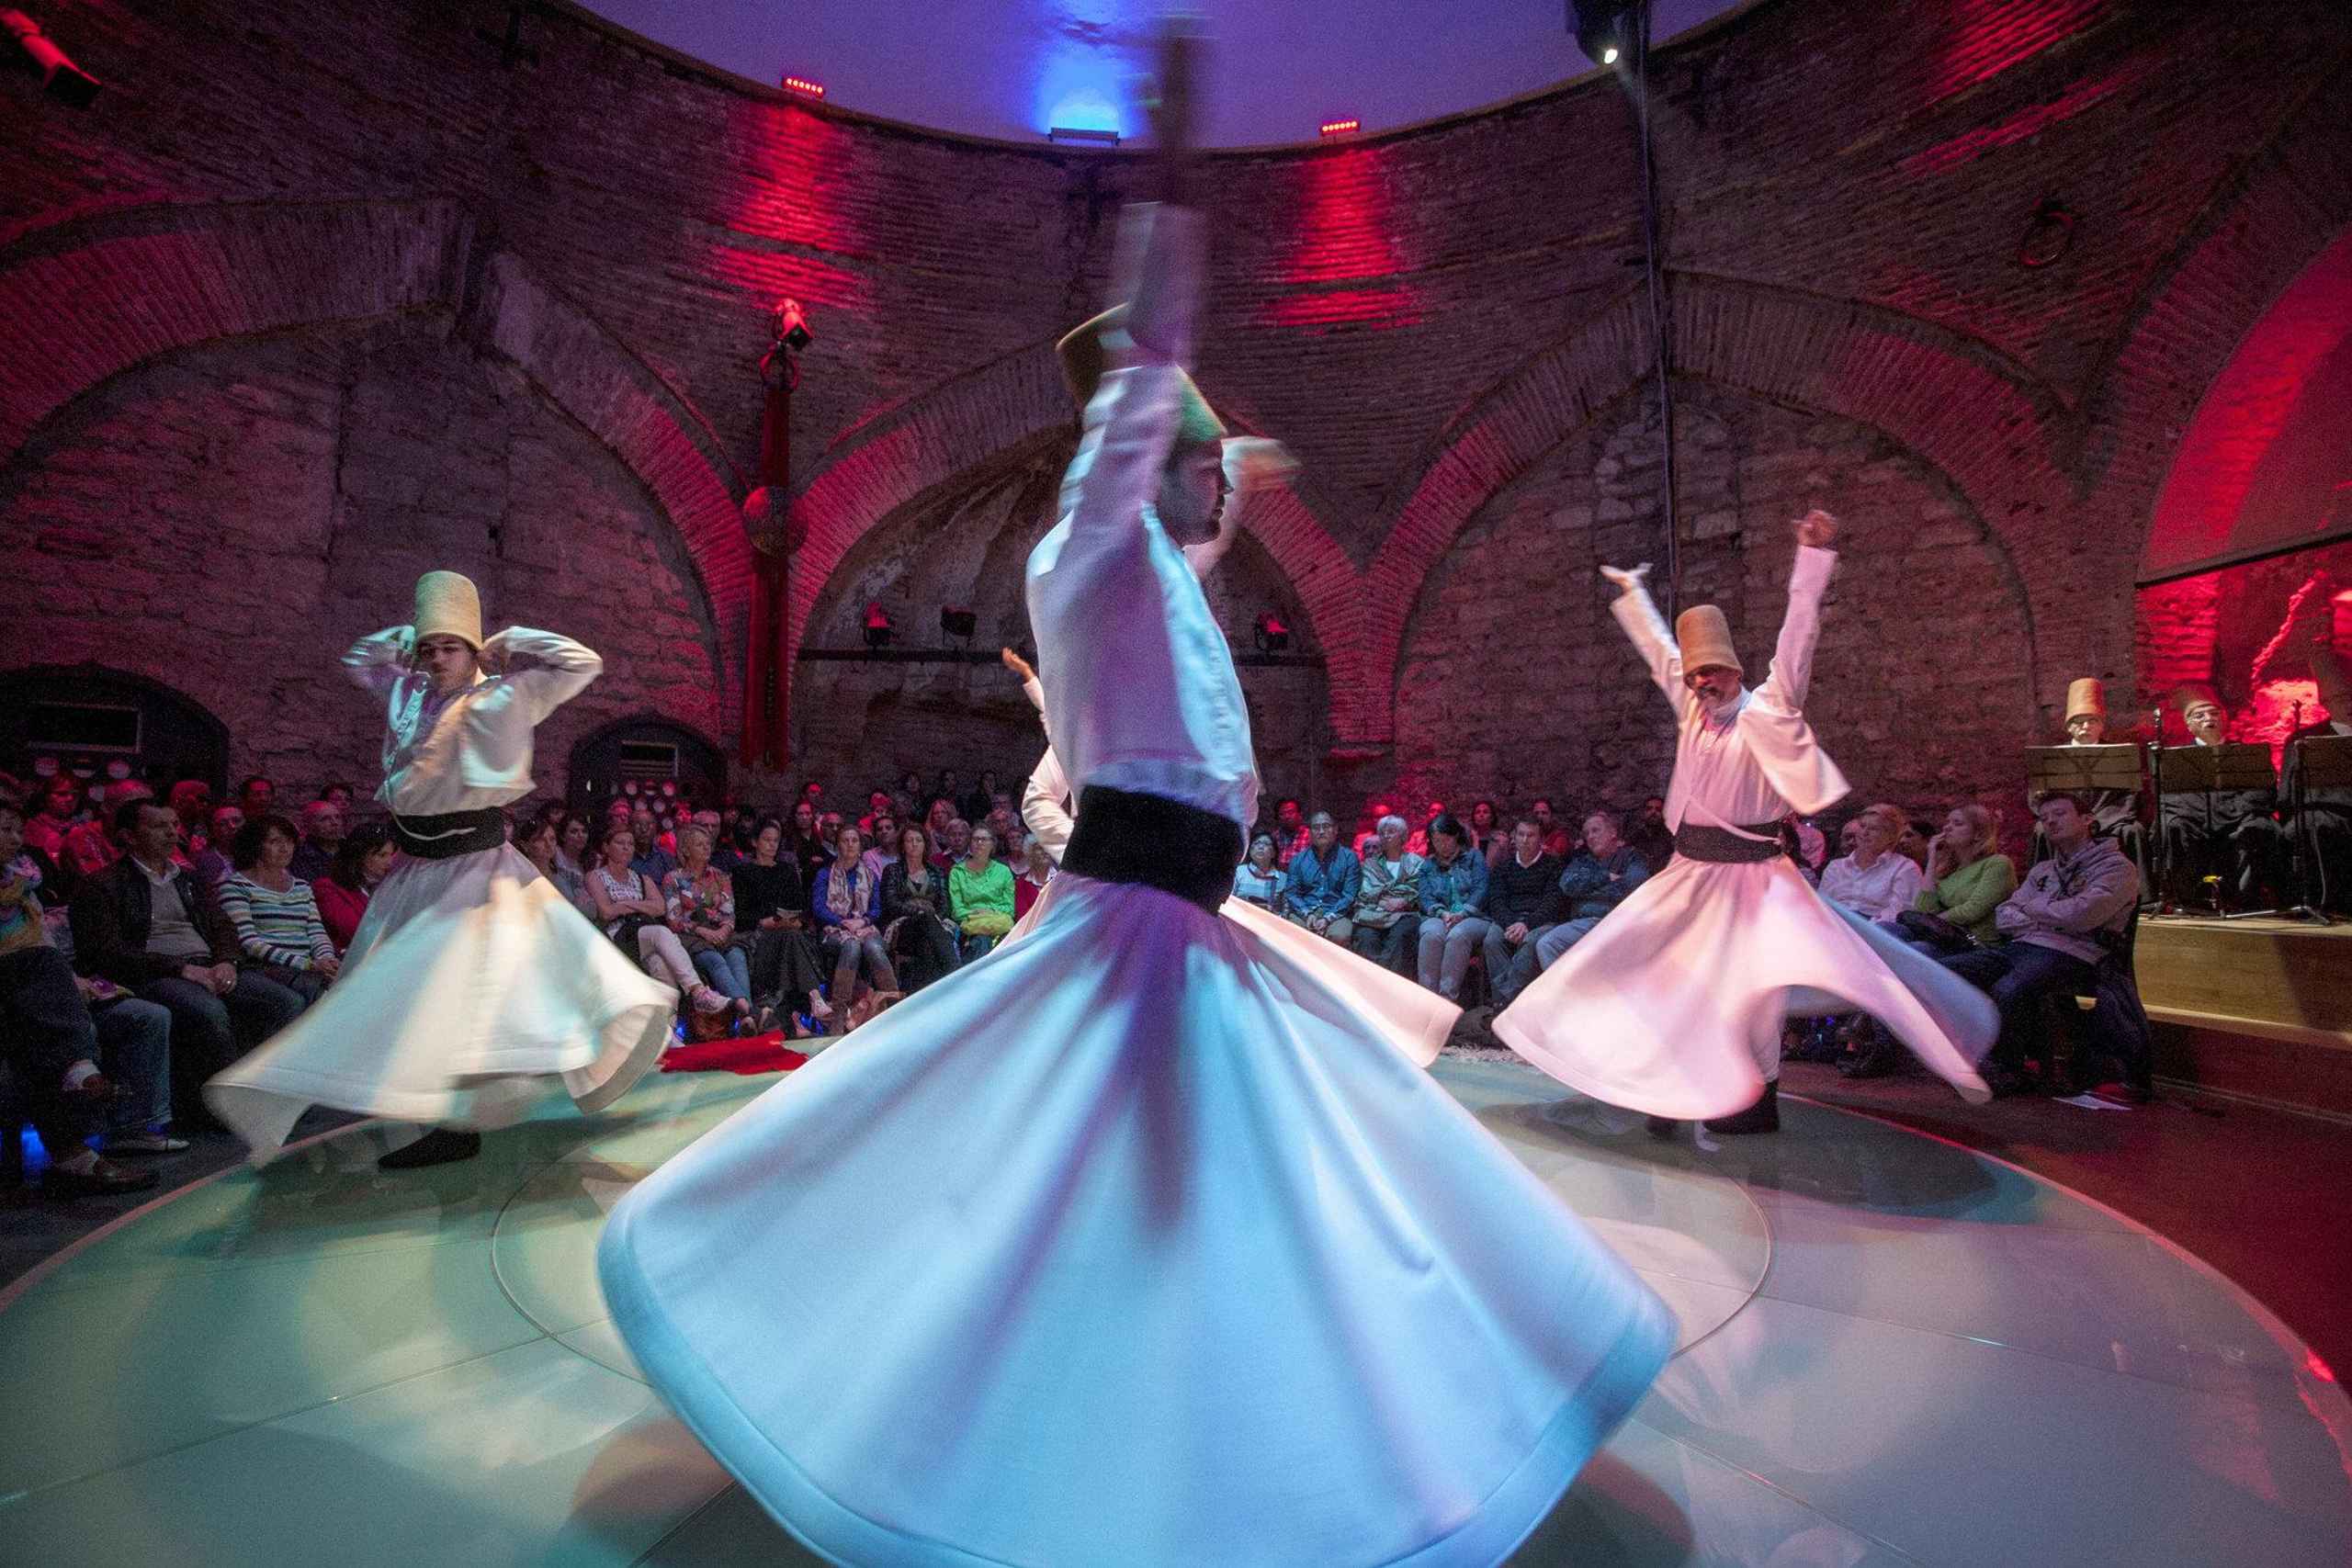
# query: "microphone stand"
[2164,838]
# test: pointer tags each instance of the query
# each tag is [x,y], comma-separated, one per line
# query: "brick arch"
[2286,205]
[90,297]
[1978,418]
[998,407]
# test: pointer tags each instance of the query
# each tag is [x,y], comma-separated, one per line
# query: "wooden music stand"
[2084,770]
[2324,761]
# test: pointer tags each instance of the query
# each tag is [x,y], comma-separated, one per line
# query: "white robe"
[1412,1018]
[472,986]
[1673,1004]
[1126,1244]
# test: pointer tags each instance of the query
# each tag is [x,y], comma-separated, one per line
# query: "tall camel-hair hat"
[448,605]
[1085,353]
[2085,698]
[1705,639]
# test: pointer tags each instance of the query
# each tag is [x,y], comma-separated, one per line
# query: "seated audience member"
[1558,839]
[1487,839]
[1036,870]
[257,795]
[1388,899]
[955,840]
[914,911]
[2229,835]
[134,1050]
[1368,827]
[212,867]
[723,853]
[1453,901]
[1969,877]
[59,810]
[631,910]
[700,905]
[574,852]
[1324,879]
[2319,826]
[2063,920]
[979,895]
[360,864]
[652,862]
[1259,878]
[1912,844]
[274,912]
[338,794]
[1874,880]
[1810,850]
[884,854]
[1593,883]
[1652,840]
[143,924]
[786,971]
[1289,828]
[847,903]
[323,828]
[191,802]
[1522,903]
[48,1036]
[809,851]
[534,841]
[93,846]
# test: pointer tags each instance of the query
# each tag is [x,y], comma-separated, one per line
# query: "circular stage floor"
[1893,1351]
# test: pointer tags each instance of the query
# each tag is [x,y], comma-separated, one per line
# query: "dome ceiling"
[1015,69]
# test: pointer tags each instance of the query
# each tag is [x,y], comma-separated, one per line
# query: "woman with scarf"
[848,906]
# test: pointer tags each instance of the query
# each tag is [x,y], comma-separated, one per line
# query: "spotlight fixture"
[1083,136]
[803,87]
[64,80]
[1274,637]
[1603,29]
[791,325]
[1347,127]
[879,631]
[957,621]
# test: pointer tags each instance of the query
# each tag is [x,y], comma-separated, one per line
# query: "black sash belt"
[451,834]
[1692,842]
[1152,842]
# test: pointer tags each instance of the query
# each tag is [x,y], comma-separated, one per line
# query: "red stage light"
[803,87]
[1341,127]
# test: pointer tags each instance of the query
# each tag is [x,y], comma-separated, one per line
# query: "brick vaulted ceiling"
[1420,314]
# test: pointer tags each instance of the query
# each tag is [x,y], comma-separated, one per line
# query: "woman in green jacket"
[1968,876]
[979,895]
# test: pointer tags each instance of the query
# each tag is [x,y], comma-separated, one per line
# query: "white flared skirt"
[472,987]
[1411,1017]
[1673,1004]
[1118,1246]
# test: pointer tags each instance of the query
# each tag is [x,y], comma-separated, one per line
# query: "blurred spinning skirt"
[1119,1246]
[472,985]
[1672,1005]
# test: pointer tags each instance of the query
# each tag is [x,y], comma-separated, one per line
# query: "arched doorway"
[650,759]
[100,725]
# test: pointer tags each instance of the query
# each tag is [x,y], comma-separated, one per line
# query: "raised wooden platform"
[2260,1009]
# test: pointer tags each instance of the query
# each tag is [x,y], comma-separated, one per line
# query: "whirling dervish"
[472,986]
[1673,1004]
[1115,1246]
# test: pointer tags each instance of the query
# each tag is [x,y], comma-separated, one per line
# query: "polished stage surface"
[1892,1350]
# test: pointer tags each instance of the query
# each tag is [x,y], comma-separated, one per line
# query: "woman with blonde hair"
[1969,877]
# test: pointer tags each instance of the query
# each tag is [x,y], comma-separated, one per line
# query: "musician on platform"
[2320,829]
[2226,833]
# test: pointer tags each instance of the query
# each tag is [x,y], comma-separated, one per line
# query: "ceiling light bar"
[803,87]
[1087,137]
[1347,127]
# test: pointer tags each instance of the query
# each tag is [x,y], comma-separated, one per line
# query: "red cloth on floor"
[751,1055]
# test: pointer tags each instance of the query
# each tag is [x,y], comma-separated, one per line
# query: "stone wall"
[260,505]
[1984,255]
[1901,692]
